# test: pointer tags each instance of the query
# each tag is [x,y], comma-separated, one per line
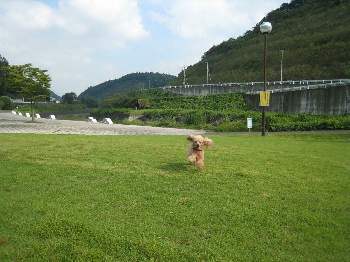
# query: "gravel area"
[13,123]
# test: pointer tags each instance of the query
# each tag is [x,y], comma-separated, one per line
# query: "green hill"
[54,95]
[315,37]
[127,83]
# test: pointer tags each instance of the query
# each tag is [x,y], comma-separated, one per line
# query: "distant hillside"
[127,83]
[55,96]
[315,37]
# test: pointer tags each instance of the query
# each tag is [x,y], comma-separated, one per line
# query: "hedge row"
[220,102]
[228,121]
[306,122]
[159,99]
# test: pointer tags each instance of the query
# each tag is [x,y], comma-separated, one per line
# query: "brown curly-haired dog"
[195,152]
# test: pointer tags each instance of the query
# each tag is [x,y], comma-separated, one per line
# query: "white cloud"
[25,14]
[201,18]
[66,40]
[210,18]
[103,17]
[86,42]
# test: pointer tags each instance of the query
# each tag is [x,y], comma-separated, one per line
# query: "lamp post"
[265,28]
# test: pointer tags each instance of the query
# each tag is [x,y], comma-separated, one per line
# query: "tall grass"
[135,198]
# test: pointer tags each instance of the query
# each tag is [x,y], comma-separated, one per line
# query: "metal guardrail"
[299,85]
[303,87]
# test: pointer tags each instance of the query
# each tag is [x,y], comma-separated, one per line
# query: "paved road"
[11,123]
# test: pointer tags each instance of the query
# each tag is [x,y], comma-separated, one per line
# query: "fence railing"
[305,87]
[275,86]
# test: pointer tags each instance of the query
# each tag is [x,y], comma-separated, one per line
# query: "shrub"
[195,118]
[6,103]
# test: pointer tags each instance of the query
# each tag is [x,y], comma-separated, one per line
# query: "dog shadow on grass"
[178,167]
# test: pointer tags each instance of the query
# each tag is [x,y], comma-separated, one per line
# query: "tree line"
[127,83]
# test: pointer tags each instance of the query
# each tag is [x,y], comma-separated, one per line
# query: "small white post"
[249,123]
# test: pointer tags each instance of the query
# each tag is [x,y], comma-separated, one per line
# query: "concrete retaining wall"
[307,96]
[331,100]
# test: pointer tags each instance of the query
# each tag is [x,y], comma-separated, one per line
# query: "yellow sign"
[264,98]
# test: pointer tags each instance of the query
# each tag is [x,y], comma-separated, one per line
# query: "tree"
[69,98]
[91,102]
[3,75]
[5,103]
[31,82]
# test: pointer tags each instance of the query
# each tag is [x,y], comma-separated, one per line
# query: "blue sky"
[86,42]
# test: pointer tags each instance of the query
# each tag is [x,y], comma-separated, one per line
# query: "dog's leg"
[192,159]
[199,163]
[200,159]
[191,155]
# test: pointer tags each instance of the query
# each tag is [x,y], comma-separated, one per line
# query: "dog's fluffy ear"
[190,138]
[208,142]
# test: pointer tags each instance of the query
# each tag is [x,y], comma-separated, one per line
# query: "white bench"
[27,115]
[107,121]
[52,117]
[13,112]
[19,113]
[37,116]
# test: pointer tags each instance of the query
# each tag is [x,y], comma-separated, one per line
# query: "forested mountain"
[55,96]
[315,37]
[127,83]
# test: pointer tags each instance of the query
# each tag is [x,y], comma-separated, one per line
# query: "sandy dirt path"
[12,123]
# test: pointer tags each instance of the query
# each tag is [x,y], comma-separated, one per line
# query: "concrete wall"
[331,100]
[315,97]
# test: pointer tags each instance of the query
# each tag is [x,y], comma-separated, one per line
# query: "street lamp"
[265,28]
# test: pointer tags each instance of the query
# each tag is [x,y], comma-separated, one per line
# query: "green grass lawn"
[135,198]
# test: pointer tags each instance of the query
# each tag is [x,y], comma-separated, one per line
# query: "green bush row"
[51,107]
[306,122]
[213,102]
[227,120]
[159,99]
